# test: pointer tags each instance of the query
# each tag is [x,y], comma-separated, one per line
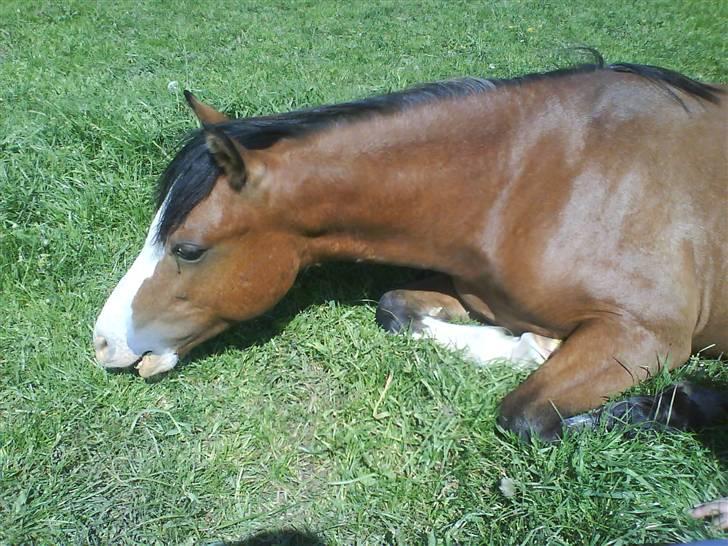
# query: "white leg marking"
[716,510]
[486,343]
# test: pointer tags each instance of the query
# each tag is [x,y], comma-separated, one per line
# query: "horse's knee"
[393,312]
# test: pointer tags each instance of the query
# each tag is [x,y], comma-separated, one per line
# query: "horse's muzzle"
[113,355]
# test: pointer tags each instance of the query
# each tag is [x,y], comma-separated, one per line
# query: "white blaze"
[113,332]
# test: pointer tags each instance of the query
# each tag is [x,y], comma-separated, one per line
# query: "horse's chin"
[152,364]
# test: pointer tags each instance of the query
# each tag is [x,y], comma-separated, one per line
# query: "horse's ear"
[206,114]
[228,155]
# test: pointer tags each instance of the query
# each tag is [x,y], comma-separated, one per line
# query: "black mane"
[191,175]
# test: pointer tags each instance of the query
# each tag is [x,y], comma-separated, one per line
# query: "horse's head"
[215,254]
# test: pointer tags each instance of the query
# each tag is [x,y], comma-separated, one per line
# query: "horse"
[579,214]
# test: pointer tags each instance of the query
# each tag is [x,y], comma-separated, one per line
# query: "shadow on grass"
[716,439]
[355,284]
[281,537]
[343,283]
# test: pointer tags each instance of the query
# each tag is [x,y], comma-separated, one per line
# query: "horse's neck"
[407,188]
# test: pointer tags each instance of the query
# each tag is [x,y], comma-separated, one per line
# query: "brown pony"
[586,205]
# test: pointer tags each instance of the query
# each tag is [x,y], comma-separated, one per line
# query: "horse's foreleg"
[486,343]
[428,308]
[600,359]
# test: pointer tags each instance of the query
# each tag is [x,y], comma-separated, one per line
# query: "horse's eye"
[188,252]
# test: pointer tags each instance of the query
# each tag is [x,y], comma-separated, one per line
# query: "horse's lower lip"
[113,365]
[152,364]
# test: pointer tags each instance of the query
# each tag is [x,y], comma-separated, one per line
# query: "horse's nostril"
[101,347]
[100,343]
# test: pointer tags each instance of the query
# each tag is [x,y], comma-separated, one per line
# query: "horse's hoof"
[393,314]
[542,427]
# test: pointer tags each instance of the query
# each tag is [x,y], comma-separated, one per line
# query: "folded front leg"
[428,309]
[487,343]
[600,359]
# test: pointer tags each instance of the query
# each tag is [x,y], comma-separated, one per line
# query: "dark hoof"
[393,314]
[545,428]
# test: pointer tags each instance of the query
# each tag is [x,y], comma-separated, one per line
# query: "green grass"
[279,423]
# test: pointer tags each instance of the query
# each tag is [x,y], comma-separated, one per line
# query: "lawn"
[284,422]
